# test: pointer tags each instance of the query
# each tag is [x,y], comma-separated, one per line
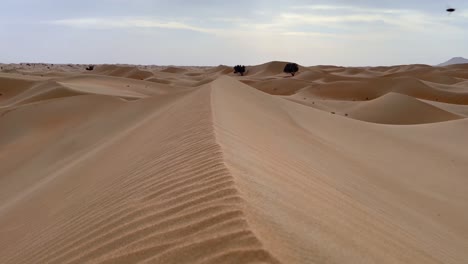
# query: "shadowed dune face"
[151,164]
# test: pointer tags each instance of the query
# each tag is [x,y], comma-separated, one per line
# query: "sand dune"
[174,70]
[158,80]
[269,69]
[310,75]
[374,87]
[302,202]
[399,109]
[199,165]
[40,91]
[117,86]
[220,69]
[279,86]
[461,110]
[12,85]
[123,71]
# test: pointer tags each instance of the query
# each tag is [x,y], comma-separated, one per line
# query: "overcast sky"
[213,32]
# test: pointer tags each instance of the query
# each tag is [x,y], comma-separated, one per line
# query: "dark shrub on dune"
[291,68]
[90,68]
[239,69]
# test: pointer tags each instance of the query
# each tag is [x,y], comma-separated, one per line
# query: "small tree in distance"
[291,68]
[239,69]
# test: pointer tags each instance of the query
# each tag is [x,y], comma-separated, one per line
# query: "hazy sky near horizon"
[213,32]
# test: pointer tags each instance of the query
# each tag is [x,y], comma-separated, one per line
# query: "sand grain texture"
[142,164]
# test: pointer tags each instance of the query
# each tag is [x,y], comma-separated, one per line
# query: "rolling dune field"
[153,164]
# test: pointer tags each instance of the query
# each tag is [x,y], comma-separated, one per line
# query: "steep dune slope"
[12,85]
[461,110]
[155,190]
[40,91]
[325,189]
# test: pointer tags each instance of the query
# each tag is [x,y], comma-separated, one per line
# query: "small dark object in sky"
[90,68]
[291,68]
[450,10]
[239,69]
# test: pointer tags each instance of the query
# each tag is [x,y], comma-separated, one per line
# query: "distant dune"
[152,164]
[453,61]
[394,108]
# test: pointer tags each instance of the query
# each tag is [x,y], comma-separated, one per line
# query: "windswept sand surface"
[127,164]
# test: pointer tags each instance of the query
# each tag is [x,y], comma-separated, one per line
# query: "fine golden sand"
[147,164]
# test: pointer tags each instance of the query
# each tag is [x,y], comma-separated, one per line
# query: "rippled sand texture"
[149,164]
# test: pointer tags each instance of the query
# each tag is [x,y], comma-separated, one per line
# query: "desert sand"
[152,164]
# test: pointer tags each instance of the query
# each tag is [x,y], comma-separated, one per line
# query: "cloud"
[349,9]
[354,18]
[334,32]
[236,27]
[317,21]
[309,34]
[106,23]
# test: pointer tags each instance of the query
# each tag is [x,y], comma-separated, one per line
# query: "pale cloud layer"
[209,33]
